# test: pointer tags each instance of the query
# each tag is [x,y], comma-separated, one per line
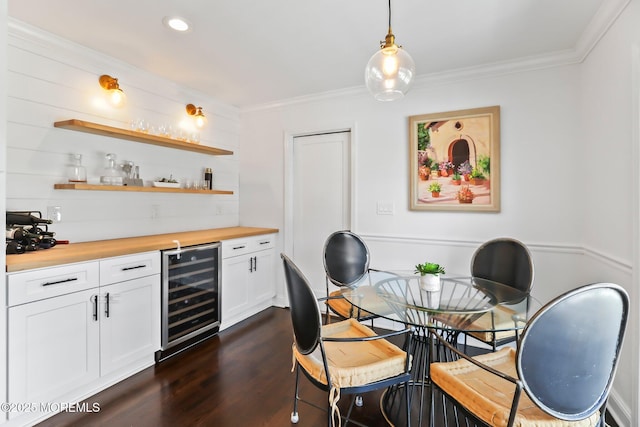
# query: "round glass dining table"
[463,305]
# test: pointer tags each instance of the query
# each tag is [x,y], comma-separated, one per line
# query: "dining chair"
[565,363]
[509,262]
[346,264]
[344,357]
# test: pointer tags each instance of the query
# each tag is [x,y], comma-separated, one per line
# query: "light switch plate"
[385,208]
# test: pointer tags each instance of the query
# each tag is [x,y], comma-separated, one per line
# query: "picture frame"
[463,141]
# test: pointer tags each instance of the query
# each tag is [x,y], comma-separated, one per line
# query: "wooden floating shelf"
[146,138]
[98,187]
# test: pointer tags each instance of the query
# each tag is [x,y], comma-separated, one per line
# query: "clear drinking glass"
[77,172]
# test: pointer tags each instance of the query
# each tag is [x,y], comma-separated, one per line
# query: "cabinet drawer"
[260,243]
[119,269]
[49,282]
[235,247]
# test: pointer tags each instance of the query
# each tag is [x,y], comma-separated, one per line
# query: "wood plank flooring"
[241,377]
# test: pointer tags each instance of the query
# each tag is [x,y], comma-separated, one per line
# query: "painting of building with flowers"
[458,153]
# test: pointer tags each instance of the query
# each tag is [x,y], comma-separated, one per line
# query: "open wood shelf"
[146,138]
[98,187]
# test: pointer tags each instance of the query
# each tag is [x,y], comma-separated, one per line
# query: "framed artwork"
[454,160]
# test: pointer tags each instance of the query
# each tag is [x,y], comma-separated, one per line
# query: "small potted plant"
[477,177]
[465,195]
[424,170]
[465,169]
[445,168]
[435,188]
[430,276]
[456,179]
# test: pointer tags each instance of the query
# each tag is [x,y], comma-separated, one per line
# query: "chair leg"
[407,398]
[294,415]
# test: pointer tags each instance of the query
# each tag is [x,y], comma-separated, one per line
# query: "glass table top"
[462,303]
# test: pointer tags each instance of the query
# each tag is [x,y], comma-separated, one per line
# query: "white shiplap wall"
[51,79]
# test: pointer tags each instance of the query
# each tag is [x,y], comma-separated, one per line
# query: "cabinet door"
[235,287]
[129,322]
[53,347]
[261,280]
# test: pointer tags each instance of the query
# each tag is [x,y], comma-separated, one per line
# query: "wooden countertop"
[87,251]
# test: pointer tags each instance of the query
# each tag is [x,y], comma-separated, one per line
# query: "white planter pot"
[430,282]
[431,299]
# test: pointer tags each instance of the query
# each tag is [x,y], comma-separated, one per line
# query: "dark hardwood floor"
[241,377]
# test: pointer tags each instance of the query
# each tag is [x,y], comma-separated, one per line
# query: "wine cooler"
[190,296]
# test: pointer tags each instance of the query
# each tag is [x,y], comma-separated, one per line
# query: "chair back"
[346,258]
[305,314]
[569,350]
[504,260]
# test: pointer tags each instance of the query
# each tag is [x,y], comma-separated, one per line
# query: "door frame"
[288,178]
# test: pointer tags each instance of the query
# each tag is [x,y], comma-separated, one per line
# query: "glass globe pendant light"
[389,73]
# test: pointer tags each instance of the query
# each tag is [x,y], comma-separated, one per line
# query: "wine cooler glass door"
[191,292]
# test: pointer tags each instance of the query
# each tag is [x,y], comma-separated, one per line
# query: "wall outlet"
[155,211]
[54,213]
[385,208]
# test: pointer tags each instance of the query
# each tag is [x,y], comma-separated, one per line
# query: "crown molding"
[607,14]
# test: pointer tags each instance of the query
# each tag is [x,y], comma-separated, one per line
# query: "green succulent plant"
[429,268]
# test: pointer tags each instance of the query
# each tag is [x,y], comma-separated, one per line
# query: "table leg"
[423,352]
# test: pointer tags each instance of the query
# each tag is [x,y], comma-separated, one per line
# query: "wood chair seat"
[353,364]
[490,397]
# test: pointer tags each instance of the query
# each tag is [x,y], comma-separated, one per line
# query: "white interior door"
[321,198]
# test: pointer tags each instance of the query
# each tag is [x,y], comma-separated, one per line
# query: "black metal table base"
[393,399]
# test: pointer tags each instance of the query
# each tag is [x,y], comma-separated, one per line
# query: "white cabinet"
[261,279]
[129,323]
[53,347]
[129,310]
[248,280]
[33,285]
[78,328]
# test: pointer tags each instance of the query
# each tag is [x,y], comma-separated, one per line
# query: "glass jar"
[77,172]
[112,176]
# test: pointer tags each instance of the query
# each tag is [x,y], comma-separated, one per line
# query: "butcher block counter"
[85,251]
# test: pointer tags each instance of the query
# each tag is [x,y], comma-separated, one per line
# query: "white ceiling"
[250,52]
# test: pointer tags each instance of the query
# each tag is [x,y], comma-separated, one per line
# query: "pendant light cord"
[389,13]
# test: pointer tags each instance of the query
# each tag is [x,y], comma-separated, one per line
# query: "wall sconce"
[198,116]
[116,95]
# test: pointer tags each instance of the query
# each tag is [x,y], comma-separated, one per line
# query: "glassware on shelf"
[77,172]
[112,176]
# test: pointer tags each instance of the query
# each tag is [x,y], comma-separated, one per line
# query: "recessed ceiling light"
[176,23]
